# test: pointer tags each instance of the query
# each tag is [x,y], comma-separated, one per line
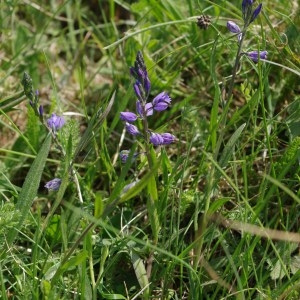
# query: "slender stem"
[147,144]
[229,94]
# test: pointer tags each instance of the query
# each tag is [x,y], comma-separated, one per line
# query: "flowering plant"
[145,108]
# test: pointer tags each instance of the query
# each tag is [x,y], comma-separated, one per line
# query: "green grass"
[213,216]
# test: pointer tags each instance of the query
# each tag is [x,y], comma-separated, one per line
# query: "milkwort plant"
[136,124]
[52,124]
[249,14]
[144,109]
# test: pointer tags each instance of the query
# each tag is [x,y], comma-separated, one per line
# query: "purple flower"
[246,7]
[124,154]
[132,129]
[41,110]
[147,84]
[256,13]
[53,185]
[128,116]
[156,139]
[147,111]
[137,90]
[255,55]
[168,138]
[248,14]
[233,27]
[55,122]
[161,101]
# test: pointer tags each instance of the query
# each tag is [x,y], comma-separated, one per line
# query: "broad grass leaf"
[228,149]
[71,263]
[140,272]
[30,187]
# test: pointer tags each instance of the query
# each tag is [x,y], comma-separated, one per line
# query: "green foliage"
[29,188]
[9,218]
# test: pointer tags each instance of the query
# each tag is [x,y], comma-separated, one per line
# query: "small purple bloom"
[148,109]
[156,139]
[147,84]
[132,129]
[168,138]
[128,116]
[55,122]
[124,155]
[136,87]
[139,108]
[256,13]
[41,110]
[246,5]
[53,185]
[233,27]
[254,55]
[161,101]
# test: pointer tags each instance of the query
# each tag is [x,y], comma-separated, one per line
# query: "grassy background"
[227,216]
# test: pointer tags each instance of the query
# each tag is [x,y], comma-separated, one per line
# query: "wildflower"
[233,27]
[161,101]
[124,154]
[248,14]
[132,129]
[55,122]
[128,116]
[41,110]
[53,185]
[156,139]
[146,111]
[137,90]
[168,138]
[255,55]
[256,13]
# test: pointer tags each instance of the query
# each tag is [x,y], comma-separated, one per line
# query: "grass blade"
[30,187]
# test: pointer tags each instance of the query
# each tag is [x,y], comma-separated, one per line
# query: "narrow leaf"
[228,149]
[30,186]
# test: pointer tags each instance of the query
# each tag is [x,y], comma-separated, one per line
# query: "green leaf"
[30,187]
[228,149]
[72,262]
[140,272]
[113,296]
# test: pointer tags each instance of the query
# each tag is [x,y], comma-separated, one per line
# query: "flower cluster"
[249,15]
[55,122]
[145,108]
